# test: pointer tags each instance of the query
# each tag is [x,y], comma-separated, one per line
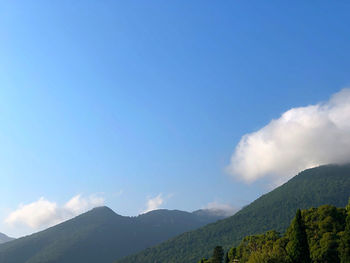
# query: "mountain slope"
[99,235]
[4,238]
[328,184]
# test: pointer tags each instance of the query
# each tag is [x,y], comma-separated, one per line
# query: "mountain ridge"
[328,184]
[4,238]
[99,235]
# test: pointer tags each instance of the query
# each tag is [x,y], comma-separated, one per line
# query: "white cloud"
[78,204]
[154,203]
[220,208]
[301,138]
[43,213]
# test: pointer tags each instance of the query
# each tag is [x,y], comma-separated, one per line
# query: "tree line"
[315,235]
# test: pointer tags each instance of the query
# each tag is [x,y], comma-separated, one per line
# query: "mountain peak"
[103,209]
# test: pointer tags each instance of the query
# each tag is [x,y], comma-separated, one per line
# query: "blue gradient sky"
[149,97]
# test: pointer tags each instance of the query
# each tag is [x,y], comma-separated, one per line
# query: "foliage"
[315,235]
[261,248]
[344,245]
[218,255]
[232,253]
[324,225]
[226,259]
[298,247]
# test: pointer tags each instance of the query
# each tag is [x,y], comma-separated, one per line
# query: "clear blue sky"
[149,97]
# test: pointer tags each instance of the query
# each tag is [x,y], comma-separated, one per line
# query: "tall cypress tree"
[227,260]
[297,247]
[218,255]
[344,246]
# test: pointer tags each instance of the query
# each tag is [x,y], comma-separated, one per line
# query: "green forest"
[315,235]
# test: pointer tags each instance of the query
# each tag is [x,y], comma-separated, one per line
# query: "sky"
[140,105]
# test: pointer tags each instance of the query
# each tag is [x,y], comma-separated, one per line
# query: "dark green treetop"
[218,255]
[298,247]
[344,244]
[227,260]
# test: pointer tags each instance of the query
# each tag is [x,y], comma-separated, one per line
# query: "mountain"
[100,235]
[4,238]
[329,184]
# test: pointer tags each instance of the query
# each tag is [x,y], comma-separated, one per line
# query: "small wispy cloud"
[44,213]
[301,138]
[119,193]
[221,208]
[154,203]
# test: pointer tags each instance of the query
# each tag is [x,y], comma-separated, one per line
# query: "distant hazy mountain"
[328,184]
[102,236]
[4,238]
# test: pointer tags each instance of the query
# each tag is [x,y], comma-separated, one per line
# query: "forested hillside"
[316,235]
[328,184]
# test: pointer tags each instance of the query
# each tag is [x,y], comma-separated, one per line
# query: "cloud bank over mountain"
[301,138]
[44,213]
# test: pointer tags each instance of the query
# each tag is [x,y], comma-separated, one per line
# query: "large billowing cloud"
[301,138]
[43,213]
